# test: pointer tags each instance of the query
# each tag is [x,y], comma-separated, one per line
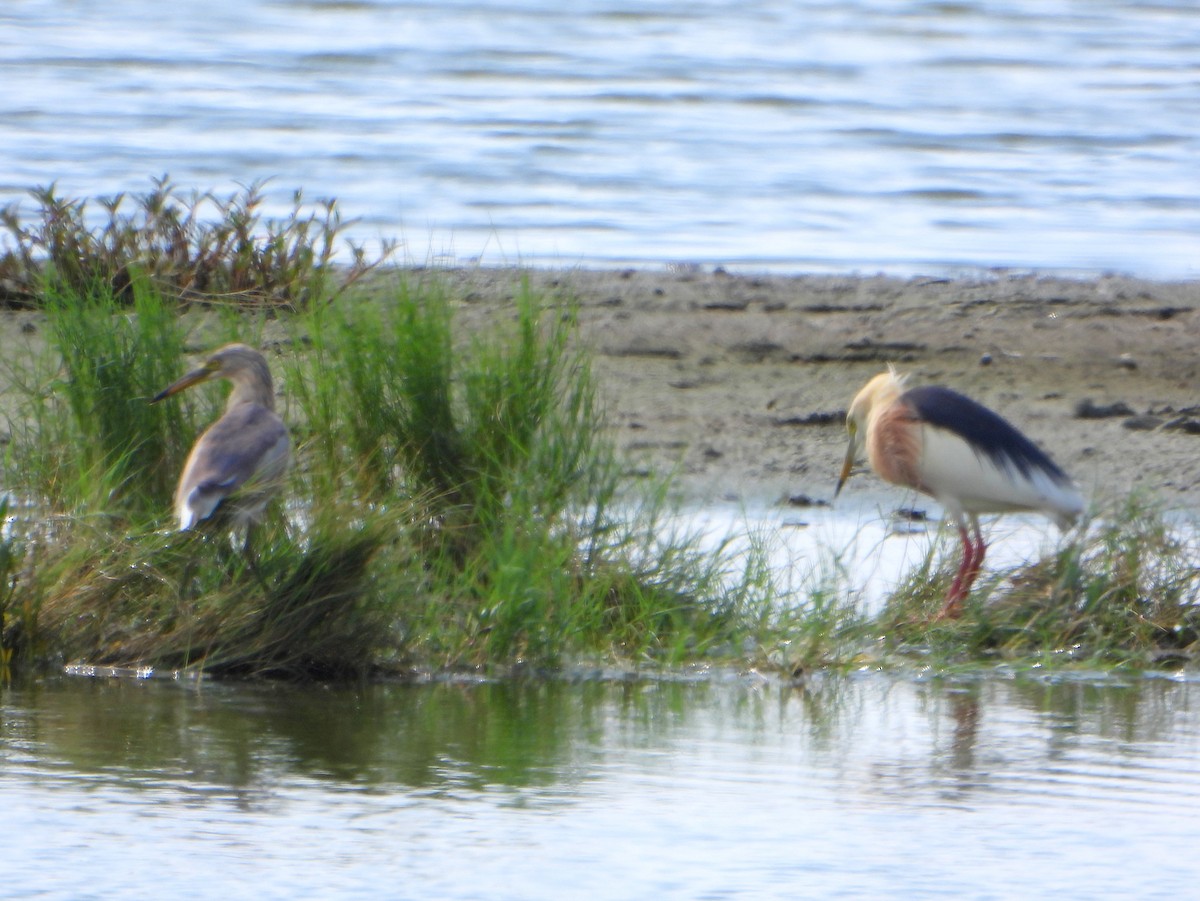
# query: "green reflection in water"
[448,737]
[424,736]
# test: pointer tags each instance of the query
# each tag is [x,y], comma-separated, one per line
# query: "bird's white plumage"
[965,480]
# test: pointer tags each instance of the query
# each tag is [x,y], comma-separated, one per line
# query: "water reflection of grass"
[456,501]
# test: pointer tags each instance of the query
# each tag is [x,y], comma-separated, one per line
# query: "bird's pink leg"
[980,550]
[974,550]
[967,571]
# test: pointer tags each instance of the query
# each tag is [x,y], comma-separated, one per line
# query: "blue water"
[855,135]
[718,787]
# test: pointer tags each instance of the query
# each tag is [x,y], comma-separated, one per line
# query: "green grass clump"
[189,600]
[812,621]
[90,441]
[454,501]
[1124,591]
[495,443]
[501,430]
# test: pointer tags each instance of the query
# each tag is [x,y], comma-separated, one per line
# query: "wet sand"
[743,381]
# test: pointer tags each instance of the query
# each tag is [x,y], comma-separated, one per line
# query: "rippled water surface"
[725,788]
[804,134]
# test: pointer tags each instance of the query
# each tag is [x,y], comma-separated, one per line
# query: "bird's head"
[244,366]
[876,394]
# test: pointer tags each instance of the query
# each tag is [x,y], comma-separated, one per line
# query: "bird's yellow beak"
[851,453]
[203,374]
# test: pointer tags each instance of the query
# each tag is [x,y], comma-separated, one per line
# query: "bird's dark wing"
[988,433]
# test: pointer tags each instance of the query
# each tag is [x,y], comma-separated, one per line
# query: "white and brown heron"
[968,458]
[237,466]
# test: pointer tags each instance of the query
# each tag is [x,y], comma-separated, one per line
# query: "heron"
[237,465]
[964,455]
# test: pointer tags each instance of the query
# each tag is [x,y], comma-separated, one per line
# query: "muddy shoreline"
[742,380]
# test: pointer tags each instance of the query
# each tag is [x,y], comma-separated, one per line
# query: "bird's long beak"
[851,453]
[192,378]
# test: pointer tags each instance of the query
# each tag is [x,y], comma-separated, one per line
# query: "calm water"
[795,134]
[845,788]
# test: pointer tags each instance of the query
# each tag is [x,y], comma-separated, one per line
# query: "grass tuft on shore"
[1124,590]
[455,501]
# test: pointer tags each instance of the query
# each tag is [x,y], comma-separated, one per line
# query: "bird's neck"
[259,391]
